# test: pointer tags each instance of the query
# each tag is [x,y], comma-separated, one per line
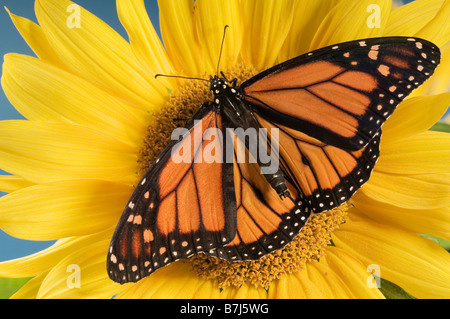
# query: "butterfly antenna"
[221,47]
[180,76]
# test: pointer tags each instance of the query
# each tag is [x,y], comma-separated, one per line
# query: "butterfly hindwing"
[342,94]
[183,205]
[265,221]
[326,176]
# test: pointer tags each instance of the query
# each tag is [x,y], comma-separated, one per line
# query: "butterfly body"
[238,114]
[322,113]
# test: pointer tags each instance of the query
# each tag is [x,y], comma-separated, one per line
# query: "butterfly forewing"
[183,205]
[342,94]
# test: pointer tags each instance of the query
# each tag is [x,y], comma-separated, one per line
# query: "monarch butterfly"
[328,106]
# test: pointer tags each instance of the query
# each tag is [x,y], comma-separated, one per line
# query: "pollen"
[309,245]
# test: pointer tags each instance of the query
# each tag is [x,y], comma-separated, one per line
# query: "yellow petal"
[43,152]
[330,285]
[414,115]
[424,153]
[338,275]
[352,20]
[440,81]
[178,33]
[412,262]
[36,39]
[43,92]
[246,291]
[351,271]
[423,191]
[31,288]
[144,40]
[97,52]
[298,40]
[11,183]
[433,221]
[175,281]
[408,19]
[293,286]
[438,29]
[42,261]
[63,209]
[208,289]
[210,20]
[316,281]
[37,263]
[80,275]
[178,281]
[266,26]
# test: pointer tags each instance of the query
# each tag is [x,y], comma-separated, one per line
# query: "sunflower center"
[310,243]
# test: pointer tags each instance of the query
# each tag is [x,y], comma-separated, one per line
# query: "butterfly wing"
[342,94]
[329,106]
[265,221]
[326,176]
[184,204]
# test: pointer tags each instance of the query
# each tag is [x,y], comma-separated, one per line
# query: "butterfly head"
[220,87]
[217,85]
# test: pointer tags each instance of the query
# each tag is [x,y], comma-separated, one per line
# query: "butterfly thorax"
[220,88]
[227,98]
[238,114]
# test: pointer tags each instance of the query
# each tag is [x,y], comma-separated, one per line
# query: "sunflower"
[97,117]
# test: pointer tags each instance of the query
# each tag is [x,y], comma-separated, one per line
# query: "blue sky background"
[11,41]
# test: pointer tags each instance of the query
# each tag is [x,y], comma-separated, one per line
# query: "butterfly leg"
[232,82]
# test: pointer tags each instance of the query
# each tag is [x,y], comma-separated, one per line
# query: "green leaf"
[9,286]
[441,127]
[392,291]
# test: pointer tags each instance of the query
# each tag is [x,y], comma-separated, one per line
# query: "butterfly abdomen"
[240,117]
[278,183]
